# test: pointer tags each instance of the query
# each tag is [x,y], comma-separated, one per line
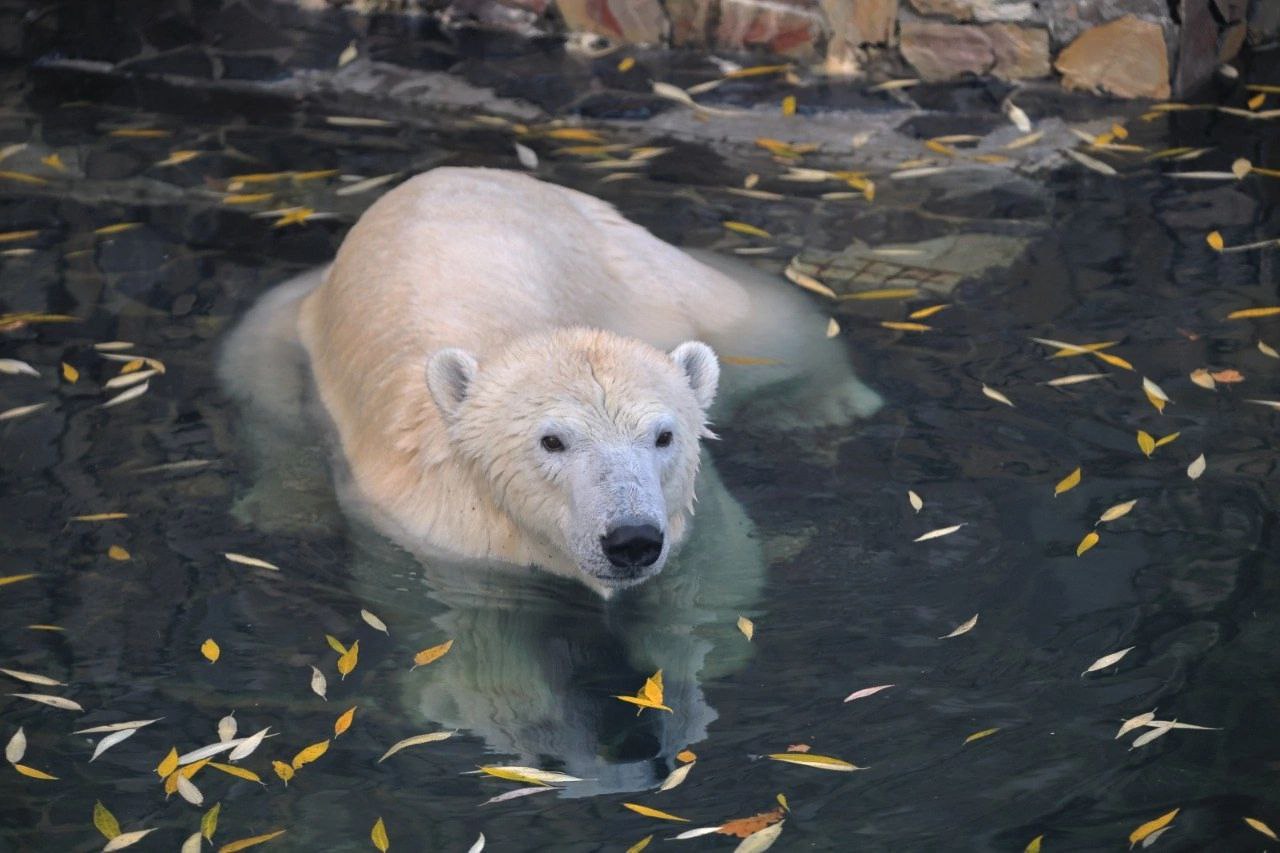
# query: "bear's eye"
[664,438]
[552,443]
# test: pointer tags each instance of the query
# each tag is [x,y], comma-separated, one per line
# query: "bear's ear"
[701,368]
[449,376]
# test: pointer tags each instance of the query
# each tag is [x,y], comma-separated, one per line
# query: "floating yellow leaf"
[22,178]
[821,762]
[980,735]
[577,134]
[1155,401]
[640,845]
[177,157]
[686,755]
[1203,378]
[14,236]
[747,627]
[69,373]
[209,823]
[1215,241]
[756,71]
[343,722]
[296,216]
[309,754]
[245,198]
[105,821]
[1152,826]
[905,327]
[746,228]
[378,835]
[650,695]
[1033,846]
[8,579]
[654,813]
[168,764]
[54,161]
[100,516]
[140,133]
[237,771]
[118,553]
[210,650]
[335,644]
[1068,483]
[789,105]
[108,230]
[1173,436]
[1113,360]
[1257,101]
[246,843]
[1090,539]
[627,64]
[1261,827]
[347,663]
[34,773]
[922,313]
[1246,313]
[1146,443]
[884,293]
[284,771]
[432,654]
[749,361]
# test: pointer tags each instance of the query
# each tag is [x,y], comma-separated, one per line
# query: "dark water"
[849,600]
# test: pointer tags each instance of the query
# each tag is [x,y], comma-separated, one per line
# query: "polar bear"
[514,372]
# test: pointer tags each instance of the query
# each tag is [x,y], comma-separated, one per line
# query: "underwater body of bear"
[516,373]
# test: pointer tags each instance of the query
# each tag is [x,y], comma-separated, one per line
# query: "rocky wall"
[1124,48]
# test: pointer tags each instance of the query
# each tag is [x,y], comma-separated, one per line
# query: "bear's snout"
[632,545]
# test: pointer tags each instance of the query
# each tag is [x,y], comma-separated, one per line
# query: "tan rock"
[859,22]
[786,27]
[941,51]
[625,21]
[1126,58]
[1024,11]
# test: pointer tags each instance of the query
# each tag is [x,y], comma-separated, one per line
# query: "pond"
[142,218]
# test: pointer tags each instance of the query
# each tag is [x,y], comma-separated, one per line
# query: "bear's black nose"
[632,546]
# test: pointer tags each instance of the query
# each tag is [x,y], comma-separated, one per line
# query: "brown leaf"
[799,747]
[1227,376]
[744,826]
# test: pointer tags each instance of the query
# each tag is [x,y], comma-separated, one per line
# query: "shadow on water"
[849,601]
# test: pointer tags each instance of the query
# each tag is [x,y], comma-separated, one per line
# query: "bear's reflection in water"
[536,659]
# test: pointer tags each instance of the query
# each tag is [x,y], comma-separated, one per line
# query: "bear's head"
[588,441]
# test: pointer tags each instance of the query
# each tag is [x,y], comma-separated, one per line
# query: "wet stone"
[941,51]
[1126,58]
[626,21]
[786,28]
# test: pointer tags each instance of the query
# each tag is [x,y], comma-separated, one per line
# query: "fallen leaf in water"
[1247,313]
[374,622]
[238,772]
[820,762]
[1155,392]
[941,531]
[210,650]
[126,839]
[1196,468]
[1267,350]
[16,367]
[284,771]
[110,741]
[789,105]
[833,328]
[686,755]
[526,156]
[347,662]
[1068,483]
[917,502]
[1107,660]
[996,395]
[762,840]
[747,627]
[1090,539]
[1090,162]
[745,826]
[251,561]
[866,691]
[176,158]
[293,216]
[1203,378]
[209,823]
[309,754]
[432,654]
[247,746]
[16,747]
[365,185]
[319,684]
[799,747]
[20,411]
[879,293]
[69,373]
[125,396]
[33,773]
[33,678]
[1227,377]
[168,764]
[905,327]
[745,228]
[676,777]
[105,822]
[430,737]
[1274,404]
[245,198]
[640,845]
[922,313]
[188,790]
[1262,827]
[519,792]
[52,701]
[1033,846]
[1134,723]
[343,722]
[22,178]
[962,629]
[378,835]
[8,579]
[654,813]
[1075,379]
[980,735]
[1159,729]
[517,773]
[1151,826]
[245,843]
[650,695]
[1019,119]
[808,282]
